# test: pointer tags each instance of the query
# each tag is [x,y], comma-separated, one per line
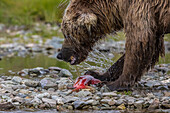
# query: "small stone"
[65,73]
[121,107]
[49,101]
[95,108]
[36,101]
[70,99]
[70,107]
[104,89]
[6,106]
[31,83]
[163,88]
[55,68]
[17,79]
[92,102]
[110,94]
[58,99]
[43,95]
[18,99]
[79,104]
[51,90]
[48,83]
[83,93]
[167,94]
[111,103]
[139,104]
[119,101]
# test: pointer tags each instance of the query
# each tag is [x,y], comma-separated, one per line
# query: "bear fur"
[144,22]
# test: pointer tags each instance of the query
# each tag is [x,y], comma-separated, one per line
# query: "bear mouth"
[72,60]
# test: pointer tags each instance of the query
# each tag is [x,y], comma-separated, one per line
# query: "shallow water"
[97,61]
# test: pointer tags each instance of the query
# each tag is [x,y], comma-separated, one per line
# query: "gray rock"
[150,84]
[17,79]
[83,93]
[18,99]
[31,83]
[49,101]
[92,102]
[59,100]
[70,99]
[43,95]
[70,107]
[55,68]
[65,73]
[109,94]
[6,106]
[79,104]
[119,101]
[163,88]
[104,89]
[139,104]
[48,83]
[36,101]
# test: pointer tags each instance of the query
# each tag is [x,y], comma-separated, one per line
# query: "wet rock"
[64,83]
[6,106]
[83,93]
[130,100]
[104,89]
[163,88]
[139,104]
[31,83]
[119,101]
[48,83]
[70,99]
[154,104]
[65,73]
[70,107]
[167,94]
[109,94]
[49,101]
[105,101]
[161,69]
[43,95]
[59,100]
[150,84]
[36,101]
[18,99]
[17,79]
[55,68]
[79,104]
[92,102]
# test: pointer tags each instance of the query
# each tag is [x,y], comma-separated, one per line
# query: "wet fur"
[144,22]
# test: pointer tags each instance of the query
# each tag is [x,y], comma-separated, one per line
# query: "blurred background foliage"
[29,11]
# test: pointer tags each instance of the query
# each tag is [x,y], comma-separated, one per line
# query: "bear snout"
[59,56]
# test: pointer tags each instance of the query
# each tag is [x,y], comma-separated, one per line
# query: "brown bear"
[144,22]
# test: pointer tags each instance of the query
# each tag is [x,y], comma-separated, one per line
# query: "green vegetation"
[125,93]
[28,11]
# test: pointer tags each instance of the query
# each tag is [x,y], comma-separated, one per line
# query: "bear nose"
[59,56]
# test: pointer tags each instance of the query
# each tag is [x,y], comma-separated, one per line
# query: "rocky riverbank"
[52,92]
[41,88]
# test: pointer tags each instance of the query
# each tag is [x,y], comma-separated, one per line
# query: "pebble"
[79,104]
[48,83]
[17,79]
[49,101]
[65,73]
[31,83]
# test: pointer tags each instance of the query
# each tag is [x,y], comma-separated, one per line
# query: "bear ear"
[88,20]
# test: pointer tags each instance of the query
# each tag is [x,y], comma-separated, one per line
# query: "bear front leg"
[112,73]
[140,29]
